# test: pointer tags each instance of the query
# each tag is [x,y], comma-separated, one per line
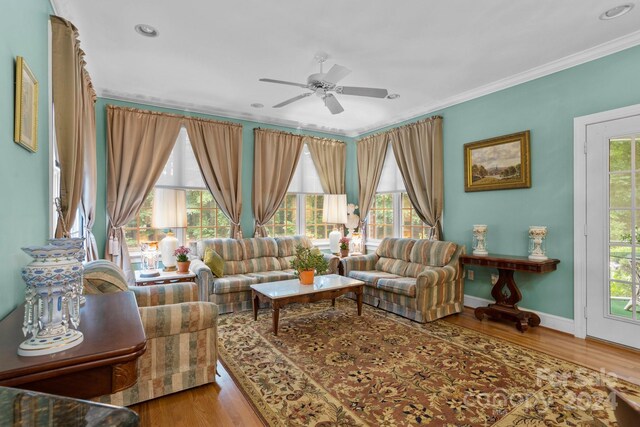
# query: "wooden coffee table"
[286,292]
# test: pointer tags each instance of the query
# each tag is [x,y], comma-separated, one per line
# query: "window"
[301,211]
[284,221]
[412,225]
[314,227]
[380,223]
[391,213]
[204,217]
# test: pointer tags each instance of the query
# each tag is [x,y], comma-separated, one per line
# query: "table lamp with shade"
[334,211]
[169,211]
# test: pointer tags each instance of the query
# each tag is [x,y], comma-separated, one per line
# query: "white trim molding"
[550,321]
[580,208]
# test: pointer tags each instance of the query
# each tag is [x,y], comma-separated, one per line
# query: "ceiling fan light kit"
[322,84]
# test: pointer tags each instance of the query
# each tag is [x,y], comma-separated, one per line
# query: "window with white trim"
[301,210]
[204,217]
[391,213]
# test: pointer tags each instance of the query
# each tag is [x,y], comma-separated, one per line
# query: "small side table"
[506,305]
[165,278]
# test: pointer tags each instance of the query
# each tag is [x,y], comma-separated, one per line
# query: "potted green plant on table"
[181,257]
[307,263]
[344,247]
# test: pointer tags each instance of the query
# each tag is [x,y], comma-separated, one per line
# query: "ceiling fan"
[322,84]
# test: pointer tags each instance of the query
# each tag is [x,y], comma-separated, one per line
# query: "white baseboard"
[550,321]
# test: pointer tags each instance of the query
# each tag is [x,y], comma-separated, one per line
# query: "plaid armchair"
[181,335]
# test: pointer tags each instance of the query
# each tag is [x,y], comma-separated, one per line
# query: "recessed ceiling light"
[616,12]
[257,105]
[146,30]
[393,96]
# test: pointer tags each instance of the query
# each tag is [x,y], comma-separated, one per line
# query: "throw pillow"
[215,262]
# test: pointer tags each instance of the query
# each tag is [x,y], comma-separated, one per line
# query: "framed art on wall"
[498,163]
[26,111]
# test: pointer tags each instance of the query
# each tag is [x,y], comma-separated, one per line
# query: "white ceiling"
[210,54]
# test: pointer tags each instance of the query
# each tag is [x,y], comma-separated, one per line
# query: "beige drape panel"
[218,151]
[276,156]
[90,182]
[139,144]
[329,158]
[371,152]
[73,99]
[418,151]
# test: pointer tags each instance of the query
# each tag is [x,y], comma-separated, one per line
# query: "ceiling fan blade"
[362,91]
[282,82]
[336,73]
[294,99]
[332,104]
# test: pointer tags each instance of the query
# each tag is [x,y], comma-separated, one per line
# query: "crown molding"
[596,52]
[591,54]
[219,112]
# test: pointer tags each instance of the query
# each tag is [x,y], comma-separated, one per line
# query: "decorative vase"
[183,266]
[306,277]
[537,246]
[344,253]
[53,279]
[480,240]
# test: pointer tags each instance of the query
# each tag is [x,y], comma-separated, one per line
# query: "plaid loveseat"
[181,335]
[418,279]
[246,262]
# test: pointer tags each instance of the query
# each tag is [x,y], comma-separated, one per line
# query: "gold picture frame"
[26,112]
[499,163]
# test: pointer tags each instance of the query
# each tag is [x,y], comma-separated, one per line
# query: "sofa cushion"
[392,265]
[403,286]
[285,262]
[234,267]
[258,265]
[414,269]
[395,248]
[287,245]
[258,247]
[272,276]
[103,277]
[229,249]
[234,283]
[371,277]
[214,261]
[432,252]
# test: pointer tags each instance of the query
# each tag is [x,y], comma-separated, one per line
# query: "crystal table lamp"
[334,211]
[169,211]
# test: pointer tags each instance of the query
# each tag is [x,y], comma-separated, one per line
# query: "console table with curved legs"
[506,305]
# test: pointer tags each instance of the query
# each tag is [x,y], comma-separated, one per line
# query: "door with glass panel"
[613,231]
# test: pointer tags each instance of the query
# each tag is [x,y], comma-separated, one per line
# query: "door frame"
[580,208]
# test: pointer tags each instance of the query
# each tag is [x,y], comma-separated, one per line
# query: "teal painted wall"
[24,218]
[547,107]
[247,219]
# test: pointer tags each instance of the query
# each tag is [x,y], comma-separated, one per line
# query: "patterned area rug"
[329,367]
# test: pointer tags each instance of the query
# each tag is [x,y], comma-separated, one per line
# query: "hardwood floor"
[223,405]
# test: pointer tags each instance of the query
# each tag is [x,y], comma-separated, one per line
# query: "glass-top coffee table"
[286,292]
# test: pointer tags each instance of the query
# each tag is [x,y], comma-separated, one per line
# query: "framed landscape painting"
[26,112]
[498,163]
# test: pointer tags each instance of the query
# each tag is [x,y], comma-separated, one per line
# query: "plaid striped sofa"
[417,279]
[247,262]
[181,332]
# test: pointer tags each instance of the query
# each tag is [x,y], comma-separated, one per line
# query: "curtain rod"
[178,116]
[298,134]
[389,131]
